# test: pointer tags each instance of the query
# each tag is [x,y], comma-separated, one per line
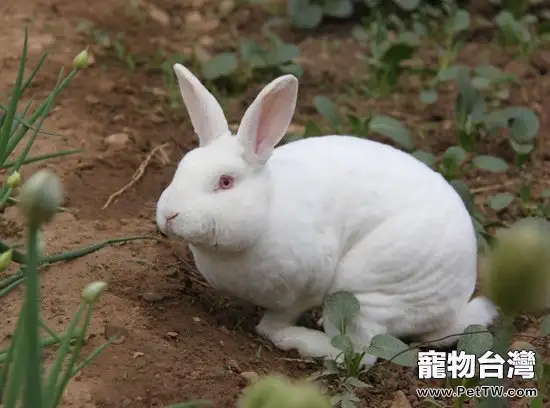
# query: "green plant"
[515,276]
[39,200]
[21,375]
[309,13]
[383,125]
[104,40]
[254,59]
[385,64]
[521,31]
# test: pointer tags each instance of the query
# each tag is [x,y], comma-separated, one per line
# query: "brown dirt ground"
[181,340]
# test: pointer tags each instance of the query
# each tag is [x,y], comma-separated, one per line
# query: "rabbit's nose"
[170,215]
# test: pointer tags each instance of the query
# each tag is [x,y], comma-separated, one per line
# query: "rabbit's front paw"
[308,342]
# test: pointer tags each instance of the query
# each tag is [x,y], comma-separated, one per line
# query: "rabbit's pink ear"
[266,120]
[205,112]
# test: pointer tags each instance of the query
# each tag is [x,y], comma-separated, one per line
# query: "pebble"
[234,365]
[400,400]
[250,376]
[117,140]
[152,296]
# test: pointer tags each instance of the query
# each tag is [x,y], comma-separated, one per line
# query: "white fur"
[320,215]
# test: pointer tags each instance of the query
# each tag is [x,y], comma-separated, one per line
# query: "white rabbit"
[284,228]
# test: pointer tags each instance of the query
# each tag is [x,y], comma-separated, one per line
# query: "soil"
[181,341]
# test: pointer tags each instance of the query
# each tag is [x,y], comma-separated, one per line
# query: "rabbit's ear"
[266,120]
[206,114]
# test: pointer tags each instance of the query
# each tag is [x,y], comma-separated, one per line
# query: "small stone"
[152,296]
[400,400]
[193,17]
[138,354]
[250,376]
[172,334]
[159,16]
[117,140]
[196,319]
[92,100]
[224,330]
[120,332]
[218,372]
[206,41]
[233,365]
[226,7]
[158,91]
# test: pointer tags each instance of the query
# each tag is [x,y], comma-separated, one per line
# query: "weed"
[254,60]
[112,45]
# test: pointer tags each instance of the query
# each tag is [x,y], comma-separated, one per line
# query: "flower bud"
[40,197]
[5,259]
[517,278]
[92,292]
[279,392]
[81,60]
[14,179]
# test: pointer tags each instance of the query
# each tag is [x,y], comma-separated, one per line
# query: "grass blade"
[70,255]
[50,388]
[43,157]
[6,126]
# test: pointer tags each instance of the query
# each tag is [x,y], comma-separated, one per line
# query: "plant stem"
[33,391]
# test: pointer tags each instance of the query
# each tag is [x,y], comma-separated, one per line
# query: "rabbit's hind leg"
[279,327]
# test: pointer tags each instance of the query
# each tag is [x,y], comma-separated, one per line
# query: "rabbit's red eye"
[226,182]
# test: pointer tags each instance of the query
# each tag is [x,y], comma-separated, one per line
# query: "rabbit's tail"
[479,311]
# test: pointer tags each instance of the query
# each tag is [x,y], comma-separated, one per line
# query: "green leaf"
[475,340]
[490,163]
[283,53]
[451,73]
[221,65]
[328,110]
[392,128]
[464,192]
[545,326]
[453,157]
[428,96]
[520,148]
[293,69]
[425,157]
[481,83]
[493,73]
[253,54]
[460,21]
[305,14]
[387,347]
[407,5]
[339,8]
[356,124]
[525,124]
[468,97]
[341,308]
[311,129]
[342,343]
[396,53]
[499,202]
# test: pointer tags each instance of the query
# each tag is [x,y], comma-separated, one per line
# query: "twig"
[493,187]
[136,176]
